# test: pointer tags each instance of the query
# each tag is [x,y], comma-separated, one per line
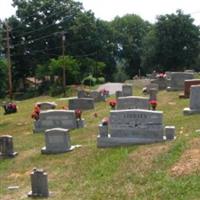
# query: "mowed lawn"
[162,171]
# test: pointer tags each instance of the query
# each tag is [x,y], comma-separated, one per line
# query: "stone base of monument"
[80,123]
[10,155]
[46,151]
[35,195]
[182,96]
[188,111]
[105,142]
[173,89]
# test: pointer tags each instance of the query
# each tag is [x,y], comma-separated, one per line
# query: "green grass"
[140,172]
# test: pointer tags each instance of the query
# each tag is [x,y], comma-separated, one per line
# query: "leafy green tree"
[71,66]
[177,40]
[129,32]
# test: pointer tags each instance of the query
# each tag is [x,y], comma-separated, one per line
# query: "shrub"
[89,80]
[100,80]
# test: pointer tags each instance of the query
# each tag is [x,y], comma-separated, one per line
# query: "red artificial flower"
[78,113]
[112,103]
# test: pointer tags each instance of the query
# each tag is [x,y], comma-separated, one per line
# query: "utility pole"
[9,61]
[63,56]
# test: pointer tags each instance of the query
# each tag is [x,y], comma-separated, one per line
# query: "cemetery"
[155,138]
[99,100]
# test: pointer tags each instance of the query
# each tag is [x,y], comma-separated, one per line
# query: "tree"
[177,40]
[129,32]
[3,77]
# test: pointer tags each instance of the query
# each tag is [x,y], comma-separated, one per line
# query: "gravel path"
[112,87]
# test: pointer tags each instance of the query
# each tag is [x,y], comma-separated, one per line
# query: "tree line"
[46,36]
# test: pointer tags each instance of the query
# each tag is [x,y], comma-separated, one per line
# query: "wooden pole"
[9,61]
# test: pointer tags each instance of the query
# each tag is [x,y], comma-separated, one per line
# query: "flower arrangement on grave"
[105,121]
[78,113]
[36,112]
[112,103]
[153,104]
[104,92]
[161,75]
[10,108]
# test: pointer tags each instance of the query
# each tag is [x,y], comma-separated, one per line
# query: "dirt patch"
[142,159]
[189,161]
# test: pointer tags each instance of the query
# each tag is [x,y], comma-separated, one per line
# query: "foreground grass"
[138,172]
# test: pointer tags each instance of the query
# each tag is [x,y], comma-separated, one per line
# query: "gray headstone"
[118,94]
[194,100]
[153,94]
[128,127]
[133,102]
[177,79]
[127,90]
[46,105]
[81,103]
[6,146]
[55,119]
[57,140]
[39,184]
[97,96]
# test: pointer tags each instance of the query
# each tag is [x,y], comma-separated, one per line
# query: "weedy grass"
[140,172]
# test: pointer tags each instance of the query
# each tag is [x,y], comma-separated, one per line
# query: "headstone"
[46,105]
[118,94]
[135,126]
[83,94]
[127,90]
[189,71]
[194,101]
[57,140]
[56,119]
[6,146]
[168,75]
[170,132]
[152,86]
[161,82]
[81,103]
[97,96]
[176,82]
[39,184]
[187,86]
[133,102]
[153,94]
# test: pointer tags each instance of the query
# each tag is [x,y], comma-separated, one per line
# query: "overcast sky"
[108,9]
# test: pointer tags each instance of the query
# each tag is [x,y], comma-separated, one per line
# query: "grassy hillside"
[163,171]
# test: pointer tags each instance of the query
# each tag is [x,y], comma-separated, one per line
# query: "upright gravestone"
[194,101]
[46,105]
[57,119]
[57,141]
[153,94]
[97,96]
[177,79]
[187,86]
[6,146]
[127,90]
[161,82]
[39,184]
[81,103]
[133,102]
[128,127]
[152,86]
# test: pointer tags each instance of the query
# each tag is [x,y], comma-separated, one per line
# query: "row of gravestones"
[172,81]
[132,123]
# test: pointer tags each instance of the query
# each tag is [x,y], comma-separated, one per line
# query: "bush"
[55,90]
[100,80]
[89,80]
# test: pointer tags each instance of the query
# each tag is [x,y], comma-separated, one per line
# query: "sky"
[108,9]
